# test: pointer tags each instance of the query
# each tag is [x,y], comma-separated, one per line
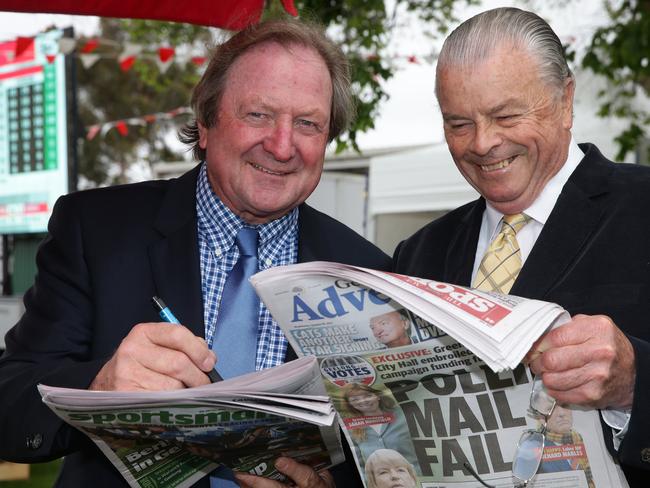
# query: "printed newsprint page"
[409,394]
[174,438]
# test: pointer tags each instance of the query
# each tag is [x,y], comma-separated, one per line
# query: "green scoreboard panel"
[34,135]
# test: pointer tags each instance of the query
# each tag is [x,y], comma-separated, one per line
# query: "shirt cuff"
[618,420]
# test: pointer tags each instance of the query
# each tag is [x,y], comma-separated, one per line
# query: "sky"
[411,114]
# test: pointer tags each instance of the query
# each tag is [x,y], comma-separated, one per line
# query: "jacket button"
[34,441]
[645,455]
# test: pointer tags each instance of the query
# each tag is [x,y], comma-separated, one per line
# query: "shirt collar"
[225,224]
[543,205]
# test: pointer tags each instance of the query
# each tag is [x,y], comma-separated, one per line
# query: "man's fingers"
[578,331]
[157,356]
[301,475]
[583,391]
[251,481]
[180,338]
[562,359]
[173,363]
[123,373]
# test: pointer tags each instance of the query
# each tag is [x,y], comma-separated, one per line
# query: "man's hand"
[302,476]
[587,361]
[157,356]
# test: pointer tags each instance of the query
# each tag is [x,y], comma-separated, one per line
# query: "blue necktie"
[235,338]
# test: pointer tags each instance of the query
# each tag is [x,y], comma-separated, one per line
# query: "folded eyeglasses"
[530,448]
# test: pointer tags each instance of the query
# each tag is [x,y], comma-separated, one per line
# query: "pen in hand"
[168,316]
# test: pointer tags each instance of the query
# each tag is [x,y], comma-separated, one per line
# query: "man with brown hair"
[271,99]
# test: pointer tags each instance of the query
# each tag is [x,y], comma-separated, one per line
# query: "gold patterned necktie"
[501,262]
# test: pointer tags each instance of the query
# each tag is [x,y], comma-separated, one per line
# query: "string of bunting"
[122,126]
[126,54]
[90,51]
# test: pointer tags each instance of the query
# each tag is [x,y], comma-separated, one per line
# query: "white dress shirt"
[539,212]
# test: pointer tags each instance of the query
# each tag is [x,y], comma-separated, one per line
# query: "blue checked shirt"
[278,246]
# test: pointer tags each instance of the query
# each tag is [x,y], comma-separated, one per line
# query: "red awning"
[226,14]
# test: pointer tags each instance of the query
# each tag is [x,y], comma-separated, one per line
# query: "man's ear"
[203,135]
[567,102]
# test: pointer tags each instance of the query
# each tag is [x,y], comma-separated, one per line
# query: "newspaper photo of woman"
[376,422]
[387,468]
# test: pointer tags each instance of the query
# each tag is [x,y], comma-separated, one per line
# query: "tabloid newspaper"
[426,376]
[174,438]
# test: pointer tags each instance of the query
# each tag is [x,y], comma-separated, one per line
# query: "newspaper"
[169,439]
[427,374]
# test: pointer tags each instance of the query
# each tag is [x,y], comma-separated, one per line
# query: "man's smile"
[504,163]
[268,171]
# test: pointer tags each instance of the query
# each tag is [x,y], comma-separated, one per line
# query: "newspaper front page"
[401,384]
[173,438]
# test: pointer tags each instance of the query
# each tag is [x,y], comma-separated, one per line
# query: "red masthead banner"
[226,14]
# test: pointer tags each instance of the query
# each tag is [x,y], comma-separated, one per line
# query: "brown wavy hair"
[386,403]
[207,94]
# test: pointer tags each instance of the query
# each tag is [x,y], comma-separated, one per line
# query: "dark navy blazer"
[592,257]
[107,253]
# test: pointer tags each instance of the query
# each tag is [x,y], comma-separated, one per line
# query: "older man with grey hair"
[555,221]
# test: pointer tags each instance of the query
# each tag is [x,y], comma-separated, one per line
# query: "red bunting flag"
[24,45]
[165,53]
[92,131]
[127,63]
[50,58]
[290,7]
[90,46]
[121,127]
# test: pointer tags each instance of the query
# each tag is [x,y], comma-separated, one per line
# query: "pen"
[168,316]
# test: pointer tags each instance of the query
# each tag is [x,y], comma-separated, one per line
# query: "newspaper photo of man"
[393,329]
[387,468]
[564,448]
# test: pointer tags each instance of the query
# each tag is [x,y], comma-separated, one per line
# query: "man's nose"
[280,141]
[486,137]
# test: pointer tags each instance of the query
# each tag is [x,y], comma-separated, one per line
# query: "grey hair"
[476,39]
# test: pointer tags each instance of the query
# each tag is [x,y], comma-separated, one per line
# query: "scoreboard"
[35,146]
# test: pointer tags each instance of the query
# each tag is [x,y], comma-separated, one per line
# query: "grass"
[40,476]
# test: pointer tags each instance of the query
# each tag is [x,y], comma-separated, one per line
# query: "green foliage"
[363,27]
[620,52]
[106,93]
[41,475]
[436,12]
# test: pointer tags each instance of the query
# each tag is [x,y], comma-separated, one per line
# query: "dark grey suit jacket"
[592,257]
[107,252]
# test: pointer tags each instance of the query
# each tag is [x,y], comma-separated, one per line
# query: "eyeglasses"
[530,447]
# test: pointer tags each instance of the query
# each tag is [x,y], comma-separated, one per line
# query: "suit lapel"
[175,264]
[567,233]
[310,247]
[459,261]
